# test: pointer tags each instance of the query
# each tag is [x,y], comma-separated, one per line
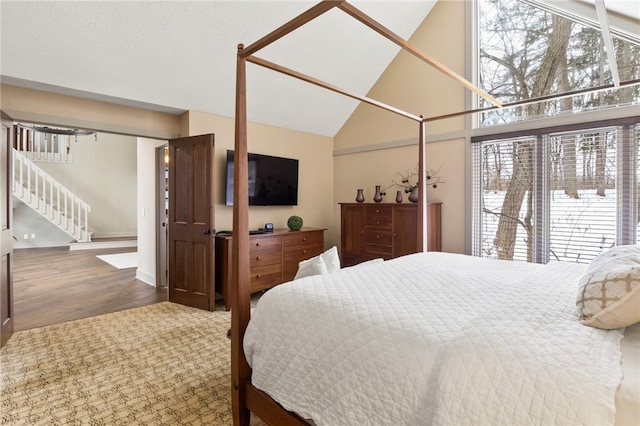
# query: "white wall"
[38,231]
[315,184]
[103,173]
[146,208]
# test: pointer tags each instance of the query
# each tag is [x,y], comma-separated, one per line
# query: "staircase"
[37,189]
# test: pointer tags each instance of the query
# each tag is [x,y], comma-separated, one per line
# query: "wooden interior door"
[191,221]
[6,232]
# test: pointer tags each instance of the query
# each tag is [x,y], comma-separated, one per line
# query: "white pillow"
[331,259]
[367,262]
[313,266]
[609,291]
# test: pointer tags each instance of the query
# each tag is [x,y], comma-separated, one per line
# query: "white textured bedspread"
[435,339]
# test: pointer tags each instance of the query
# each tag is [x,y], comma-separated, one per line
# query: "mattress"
[435,338]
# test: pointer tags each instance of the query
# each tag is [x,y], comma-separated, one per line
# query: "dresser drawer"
[379,210]
[260,243]
[295,254]
[379,216]
[372,251]
[267,253]
[289,272]
[263,257]
[379,221]
[262,277]
[296,238]
[380,237]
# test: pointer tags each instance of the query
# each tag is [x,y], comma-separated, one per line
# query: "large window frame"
[620,115]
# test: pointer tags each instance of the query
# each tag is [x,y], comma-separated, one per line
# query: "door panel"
[6,232]
[405,223]
[352,234]
[191,221]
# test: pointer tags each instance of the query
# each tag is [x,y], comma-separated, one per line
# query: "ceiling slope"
[173,56]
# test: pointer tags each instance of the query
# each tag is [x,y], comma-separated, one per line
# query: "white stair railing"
[36,188]
[39,146]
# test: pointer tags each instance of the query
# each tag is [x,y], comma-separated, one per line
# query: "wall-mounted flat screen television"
[273,181]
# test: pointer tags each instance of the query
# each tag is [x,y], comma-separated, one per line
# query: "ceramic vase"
[360,196]
[413,197]
[378,196]
[398,196]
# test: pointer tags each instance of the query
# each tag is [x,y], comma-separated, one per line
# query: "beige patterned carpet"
[163,364]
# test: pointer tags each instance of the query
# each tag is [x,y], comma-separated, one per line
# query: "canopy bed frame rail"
[245,397]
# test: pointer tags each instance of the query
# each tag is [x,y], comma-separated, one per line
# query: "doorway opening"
[56,284]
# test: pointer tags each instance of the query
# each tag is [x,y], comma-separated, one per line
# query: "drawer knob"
[304,238]
[258,258]
[377,210]
[378,223]
[257,275]
[377,237]
[304,252]
[257,244]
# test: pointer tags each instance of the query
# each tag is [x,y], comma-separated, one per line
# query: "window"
[567,191]
[557,194]
[526,52]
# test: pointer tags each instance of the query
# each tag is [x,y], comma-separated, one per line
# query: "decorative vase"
[377,196]
[413,197]
[294,223]
[360,196]
[398,196]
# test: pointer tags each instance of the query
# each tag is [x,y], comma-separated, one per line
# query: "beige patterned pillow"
[609,290]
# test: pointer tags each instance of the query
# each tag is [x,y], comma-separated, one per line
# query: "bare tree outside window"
[526,53]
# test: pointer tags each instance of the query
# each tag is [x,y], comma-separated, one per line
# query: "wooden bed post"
[422,189]
[240,293]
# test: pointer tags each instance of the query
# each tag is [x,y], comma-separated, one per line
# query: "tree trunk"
[522,179]
[520,183]
[569,166]
[569,172]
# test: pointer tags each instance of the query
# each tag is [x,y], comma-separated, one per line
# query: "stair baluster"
[45,195]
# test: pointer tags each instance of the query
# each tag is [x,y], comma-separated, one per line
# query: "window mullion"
[478,203]
[541,200]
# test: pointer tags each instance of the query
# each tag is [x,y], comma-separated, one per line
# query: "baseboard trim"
[92,245]
[146,278]
[18,245]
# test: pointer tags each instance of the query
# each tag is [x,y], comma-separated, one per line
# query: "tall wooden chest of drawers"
[384,230]
[274,258]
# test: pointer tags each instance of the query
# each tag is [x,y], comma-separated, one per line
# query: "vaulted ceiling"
[175,56]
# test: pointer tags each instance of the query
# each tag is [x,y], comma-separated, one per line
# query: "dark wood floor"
[53,285]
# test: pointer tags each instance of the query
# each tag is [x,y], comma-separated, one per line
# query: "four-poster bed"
[246,397]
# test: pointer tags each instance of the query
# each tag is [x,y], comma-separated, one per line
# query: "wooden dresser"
[274,258]
[384,230]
